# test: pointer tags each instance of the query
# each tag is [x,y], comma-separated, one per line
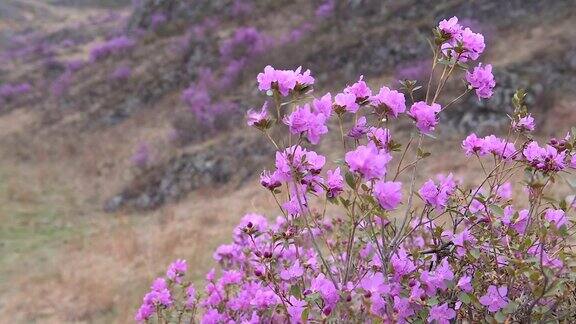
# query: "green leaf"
[500,317]
[295,291]
[465,298]
[350,180]
[305,314]
[475,253]
[423,154]
[497,210]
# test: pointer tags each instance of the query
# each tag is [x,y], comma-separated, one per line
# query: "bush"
[440,252]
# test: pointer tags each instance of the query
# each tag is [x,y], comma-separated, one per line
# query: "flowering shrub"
[438,252]
[117,45]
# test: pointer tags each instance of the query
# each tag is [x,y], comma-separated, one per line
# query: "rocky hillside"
[151,53]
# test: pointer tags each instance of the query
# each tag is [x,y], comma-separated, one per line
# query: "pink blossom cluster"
[10,91]
[285,81]
[116,45]
[367,238]
[458,42]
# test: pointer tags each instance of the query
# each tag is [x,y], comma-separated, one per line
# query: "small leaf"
[497,210]
[350,180]
[295,291]
[465,298]
[500,317]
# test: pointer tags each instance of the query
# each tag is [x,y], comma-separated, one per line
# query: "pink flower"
[359,128]
[499,147]
[556,217]
[573,162]
[426,116]
[176,270]
[359,89]
[465,44]
[295,309]
[334,182]
[269,180]
[545,159]
[524,124]
[473,145]
[402,264]
[482,80]
[347,101]
[436,195]
[464,283]
[326,289]
[450,27]
[495,298]
[403,307]
[388,194]
[368,161]
[144,312]
[294,271]
[323,105]
[303,120]
[283,80]
[521,222]
[389,101]
[504,191]
[259,119]
[473,44]
[380,136]
[442,314]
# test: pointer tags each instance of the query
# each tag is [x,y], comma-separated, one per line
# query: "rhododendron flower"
[298,158]
[436,195]
[380,136]
[524,124]
[482,80]
[473,44]
[426,116]
[499,147]
[212,316]
[270,180]
[504,191]
[388,194]
[573,162]
[360,90]
[347,101]
[495,298]
[359,128]
[294,271]
[191,297]
[442,314]
[466,45]
[403,307]
[556,217]
[283,80]
[334,183]
[464,283]
[326,289]
[303,120]
[545,159]
[259,119]
[323,105]
[450,28]
[521,222]
[473,145]
[402,264]
[295,309]
[389,101]
[177,270]
[368,161]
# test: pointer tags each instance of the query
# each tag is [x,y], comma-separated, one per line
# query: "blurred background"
[123,142]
